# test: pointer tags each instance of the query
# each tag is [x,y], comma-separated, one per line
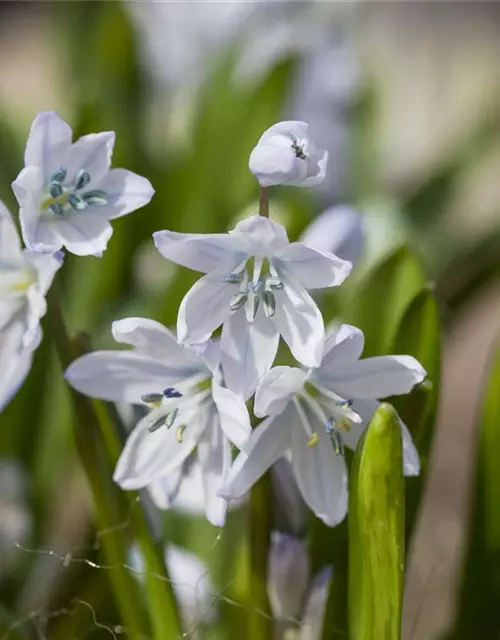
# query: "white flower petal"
[49,139]
[273,164]
[201,252]
[233,415]
[120,376]
[300,322]
[277,389]
[339,230]
[16,361]
[344,345]
[38,231]
[204,307]
[288,575]
[214,454]
[91,153]
[314,613]
[321,475]
[164,491]
[248,350]
[313,268]
[296,128]
[10,247]
[267,444]
[260,235]
[157,342]
[316,169]
[46,266]
[377,377]
[147,456]
[125,191]
[84,234]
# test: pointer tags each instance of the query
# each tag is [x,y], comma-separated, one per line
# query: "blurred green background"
[407,99]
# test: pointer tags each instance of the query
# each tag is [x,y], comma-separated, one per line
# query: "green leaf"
[376,531]
[418,335]
[479,599]
[376,305]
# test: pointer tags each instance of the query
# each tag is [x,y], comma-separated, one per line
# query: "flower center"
[64,197]
[175,404]
[257,286]
[332,410]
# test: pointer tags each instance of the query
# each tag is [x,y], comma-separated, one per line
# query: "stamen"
[76,202]
[344,404]
[313,436]
[82,179]
[96,198]
[153,399]
[55,190]
[232,278]
[170,419]
[313,441]
[157,424]
[335,437]
[57,208]
[238,300]
[269,303]
[170,392]
[59,175]
[180,432]
[274,283]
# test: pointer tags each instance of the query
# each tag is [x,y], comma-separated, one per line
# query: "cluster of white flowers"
[255,286]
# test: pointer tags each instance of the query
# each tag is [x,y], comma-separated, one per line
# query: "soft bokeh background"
[407,98]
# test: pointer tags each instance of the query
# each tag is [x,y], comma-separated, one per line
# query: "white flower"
[25,278]
[288,576]
[192,411]
[256,286]
[314,414]
[191,582]
[67,193]
[286,155]
[314,611]
[339,230]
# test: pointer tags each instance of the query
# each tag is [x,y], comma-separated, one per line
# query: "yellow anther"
[179,433]
[313,441]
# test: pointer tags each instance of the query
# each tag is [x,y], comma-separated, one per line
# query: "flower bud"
[288,576]
[286,155]
[314,613]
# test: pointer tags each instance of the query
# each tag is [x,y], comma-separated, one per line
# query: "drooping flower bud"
[288,576]
[286,155]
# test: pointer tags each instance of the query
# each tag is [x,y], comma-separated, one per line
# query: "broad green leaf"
[479,598]
[376,531]
[376,304]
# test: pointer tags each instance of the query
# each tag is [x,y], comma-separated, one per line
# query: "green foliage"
[376,531]
[479,597]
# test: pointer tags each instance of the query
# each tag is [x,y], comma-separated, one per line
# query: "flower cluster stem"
[260,624]
[98,446]
[264,202]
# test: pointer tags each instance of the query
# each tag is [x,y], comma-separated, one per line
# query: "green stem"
[260,624]
[98,448]
[264,202]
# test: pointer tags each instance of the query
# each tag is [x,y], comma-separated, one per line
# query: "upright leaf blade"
[479,597]
[376,531]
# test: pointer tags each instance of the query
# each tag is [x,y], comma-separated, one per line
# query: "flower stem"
[260,624]
[98,447]
[264,202]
